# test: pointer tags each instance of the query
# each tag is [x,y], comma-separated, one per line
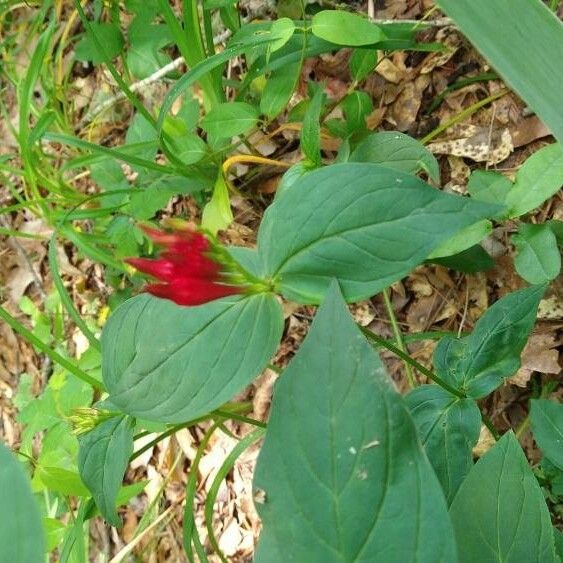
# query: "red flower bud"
[190,275]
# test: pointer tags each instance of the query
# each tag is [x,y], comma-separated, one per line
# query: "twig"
[154,77]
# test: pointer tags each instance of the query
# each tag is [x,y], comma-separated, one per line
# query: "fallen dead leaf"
[480,144]
[538,355]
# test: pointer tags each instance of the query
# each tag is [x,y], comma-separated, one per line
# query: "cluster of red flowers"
[186,268]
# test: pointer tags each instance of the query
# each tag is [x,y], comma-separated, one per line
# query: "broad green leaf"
[344,28]
[398,151]
[466,238]
[54,532]
[198,359]
[479,362]
[230,119]
[188,147]
[547,426]
[141,131]
[530,32]
[282,29]
[448,428]
[21,533]
[470,261]
[103,458]
[364,224]
[538,259]
[311,130]
[499,513]
[217,214]
[146,41]
[362,63]
[337,486]
[279,89]
[489,186]
[110,37]
[61,481]
[537,180]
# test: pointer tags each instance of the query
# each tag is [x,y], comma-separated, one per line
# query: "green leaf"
[538,259]
[336,486]
[558,536]
[479,362]
[61,481]
[108,34]
[279,89]
[356,106]
[448,428]
[282,30]
[529,33]
[199,358]
[364,224]
[21,533]
[537,180]
[144,55]
[344,28]
[103,458]
[230,119]
[464,239]
[499,513]
[217,214]
[489,186]
[362,63]
[398,151]
[474,259]
[188,147]
[311,130]
[547,425]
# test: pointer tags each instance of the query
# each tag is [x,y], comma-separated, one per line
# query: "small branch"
[405,357]
[398,337]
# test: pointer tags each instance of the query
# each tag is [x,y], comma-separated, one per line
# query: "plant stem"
[462,115]
[489,424]
[392,348]
[398,337]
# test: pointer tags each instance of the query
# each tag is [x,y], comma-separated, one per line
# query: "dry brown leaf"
[485,442]
[481,144]
[538,355]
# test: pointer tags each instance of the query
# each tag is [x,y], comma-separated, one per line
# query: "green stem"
[462,115]
[49,352]
[399,353]
[398,337]
[489,424]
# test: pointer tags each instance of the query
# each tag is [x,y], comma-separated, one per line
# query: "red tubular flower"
[187,269]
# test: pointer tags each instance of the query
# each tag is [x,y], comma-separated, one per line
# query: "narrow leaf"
[311,131]
[530,32]
[334,486]
[499,513]
[217,214]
